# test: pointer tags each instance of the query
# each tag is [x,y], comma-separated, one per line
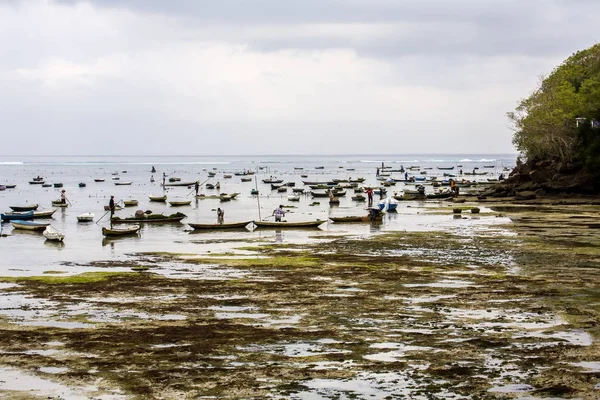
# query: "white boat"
[86,217]
[52,234]
[180,202]
[293,198]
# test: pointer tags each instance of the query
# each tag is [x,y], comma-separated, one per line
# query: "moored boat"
[293,198]
[29,225]
[59,203]
[31,207]
[180,202]
[99,180]
[303,224]
[82,184]
[272,180]
[233,225]
[365,218]
[34,182]
[43,214]
[123,183]
[85,217]
[158,198]
[150,218]
[121,231]
[179,183]
[246,179]
[17,215]
[58,185]
[130,202]
[52,234]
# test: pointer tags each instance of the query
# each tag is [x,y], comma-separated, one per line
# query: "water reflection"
[53,244]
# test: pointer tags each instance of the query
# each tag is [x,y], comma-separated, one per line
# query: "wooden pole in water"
[257,197]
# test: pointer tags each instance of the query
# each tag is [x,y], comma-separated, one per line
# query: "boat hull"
[29,225]
[17,215]
[234,225]
[24,208]
[271,224]
[120,232]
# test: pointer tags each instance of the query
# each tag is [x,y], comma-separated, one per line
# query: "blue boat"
[391,207]
[16,215]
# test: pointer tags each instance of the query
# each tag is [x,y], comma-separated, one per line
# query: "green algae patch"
[84,278]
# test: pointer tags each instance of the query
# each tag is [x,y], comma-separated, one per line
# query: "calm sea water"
[25,252]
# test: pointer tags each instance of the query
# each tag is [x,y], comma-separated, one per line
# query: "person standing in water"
[279,213]
[111,206]
[220,215]
[63,196]
[196,187]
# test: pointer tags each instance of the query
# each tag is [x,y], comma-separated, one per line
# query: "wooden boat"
[338,193]
[81,184]
[476,173]
[158,198]
[188,183]
[272,180]
[38,179]
[319,194]
[174,179]
[210,186]
[227,176]
[489,166]
[298,168]
[320,167]
[282,189]
[151,218]
[298,190]
[254,192]
[58,203]
[290,184]
[445,168]
[271,224]
[130,230]
[86,217]
[17,215]
[212,173]
[29,225]
[440,195]
[334,200]
[115,178]
[117,207]
[365,218]
[99,180]
[10,186]
[319,187]
[52,234]
[130,203]
[246,179]
[123,183]
[309,183]
[275,187]
[391,207]
[180,202]
[293,198]
[34,182]
[43,214]
[359,197]
[47,185]
[233,225]
[58,185]
[357,180]
[31,207]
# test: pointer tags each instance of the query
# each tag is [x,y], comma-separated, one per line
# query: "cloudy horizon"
[272,77]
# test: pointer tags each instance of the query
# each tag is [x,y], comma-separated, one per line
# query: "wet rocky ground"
[508,310]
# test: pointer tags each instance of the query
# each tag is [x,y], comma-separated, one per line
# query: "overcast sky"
[276,76]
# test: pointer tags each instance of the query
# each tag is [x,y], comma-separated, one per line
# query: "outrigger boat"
[271,224]
[121,231]
[233,225]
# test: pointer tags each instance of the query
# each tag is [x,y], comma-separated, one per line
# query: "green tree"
[545,123]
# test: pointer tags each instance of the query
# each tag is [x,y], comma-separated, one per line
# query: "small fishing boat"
[298,168]
[227,176]
[210,186]
[82,184]
[130,202]
[210,173]
[161,199]
[298,190]
[338,193]
[275,187]
[174,179]
[38,179]
[272,180]
[129,230]
[320,167]
[282,189]
[17,215]
[47,185]
[180,202]
[388,206]
[57,185]
[117,207]
[29,225]
[293,198]
[59,203]
[31,207]
[359,197]
[319,194]
[123,183]
[150,218]
[99,180]
[233,225]
[85,217]
[254,192]
[34,182]
[290,184]
[445,168]
[10,186]
[246,179]
[115,178]
[365,218]
[52,234]
[489,166]
[304,176]
[304,224]
[178,183]
[43,214]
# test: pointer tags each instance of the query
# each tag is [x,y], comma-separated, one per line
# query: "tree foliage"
[545,123]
